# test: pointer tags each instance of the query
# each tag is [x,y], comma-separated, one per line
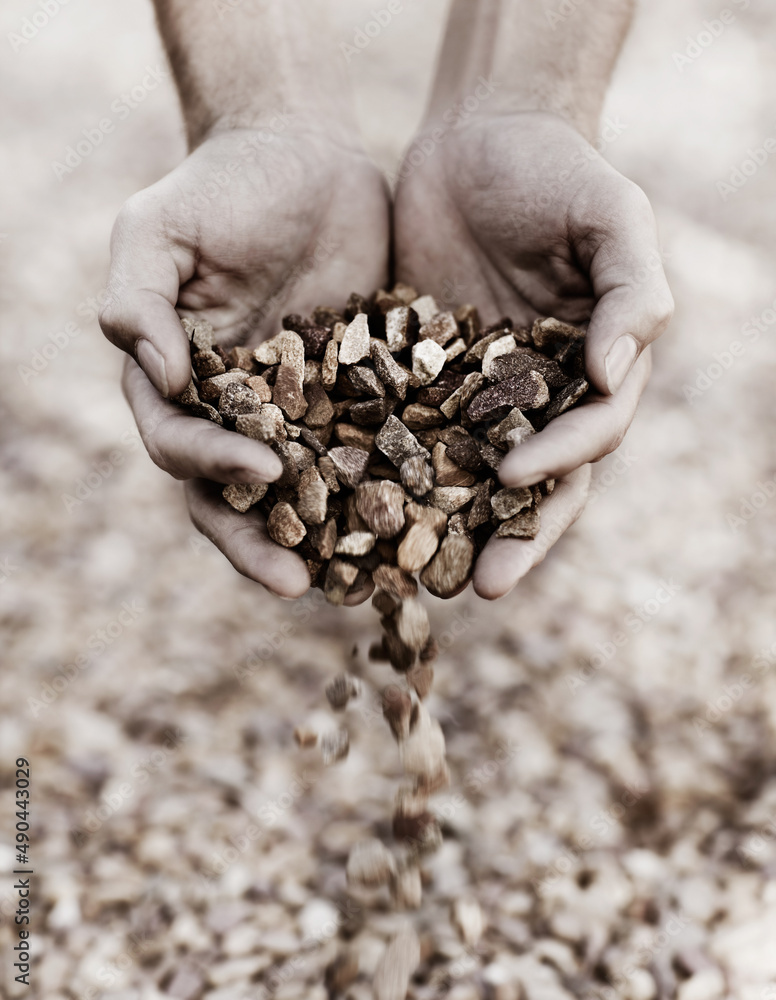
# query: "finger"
[192,448]
[244,541]
[633,301]
[584,434]
[139,316]
[505,561]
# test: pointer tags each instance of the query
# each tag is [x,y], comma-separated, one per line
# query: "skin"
[256,223]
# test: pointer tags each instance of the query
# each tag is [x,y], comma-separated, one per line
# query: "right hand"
[243,232]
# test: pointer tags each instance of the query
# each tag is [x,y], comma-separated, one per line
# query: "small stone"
[421,833]
[355,437]
[259,385]
[305,737]
[468,319]
[449,570]
[480,511]
[267,425]
[381,504]
[417,548]
[341,690]
[464,450]
[411,625]
[492,456]
[355,344]
[365,382]
[446,472]
[327,471]
[330,366]
[552,332]
[407,889]
[284,526]
[526,392]
[395,969]
[315,339]
[303,457]
[323,538]
[400,331]
[341,973]
[350,465]
[566,398]
[455,349]
[372,412]
[515,424]
[290,475]
[236,400]
[444,386]
[421,676]
[270,351]
[319,409]
[397,710]
[240,357]
[207,411]
[398,443]
[340,577]
[525,525]
[441,329]
[210,390]
[467,919]
[370,864]
[499,347]
[426,308]
[200,333]
[313,496]
[418,417]
[242,496]
[388,371]
[404,293]
[428,360]
[526,360]
[417,476]
[509,502]
[414,513]
[479,349]
[334,746]
[451,499]
[395,581]
[288,392]
[357,543]
[206,364]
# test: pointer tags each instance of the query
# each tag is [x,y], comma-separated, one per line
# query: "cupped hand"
[521,216]
[244,231]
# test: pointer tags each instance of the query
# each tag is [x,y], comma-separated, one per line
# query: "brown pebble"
[446,472]
[259,385]
[525,525]
[509,502]
[340,577]
[330,366]
[418,417]
[341,690]
[395,581]
[313,496]
[323,538]
[566,398]
[288,392]
[526,392]
[370,864]
[267,425]
[441,329]
[395,968]
[398,443]
[350,465]
[355,344]
[480,511]
[372,412]
[210,390]
[449,570]
[417,475]
[417,547]
[242,496]
[236,400]
[381,504]
[206,364]
[397,710]
[284,526]
[319,409]
[334,746]
[355,437]
[451,499]
[388,371]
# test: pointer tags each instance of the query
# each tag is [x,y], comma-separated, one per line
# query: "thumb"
[139,316]
[633,301]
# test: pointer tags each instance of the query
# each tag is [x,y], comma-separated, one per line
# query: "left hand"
[519,214]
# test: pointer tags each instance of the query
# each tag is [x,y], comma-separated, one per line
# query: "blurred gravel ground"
[610,726]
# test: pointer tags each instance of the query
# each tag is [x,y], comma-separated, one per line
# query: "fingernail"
[619,361]
[153,365]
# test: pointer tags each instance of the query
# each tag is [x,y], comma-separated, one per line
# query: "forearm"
[539,59]
[252,59]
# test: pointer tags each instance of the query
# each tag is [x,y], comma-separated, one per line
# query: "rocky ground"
[610,726]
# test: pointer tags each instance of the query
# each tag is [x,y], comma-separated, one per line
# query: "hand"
[241,233]
[520,214]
